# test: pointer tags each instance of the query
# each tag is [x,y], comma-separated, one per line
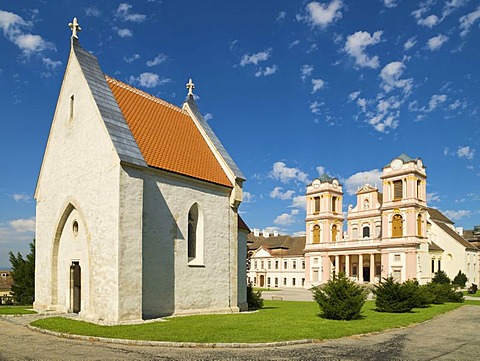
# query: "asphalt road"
[454,336]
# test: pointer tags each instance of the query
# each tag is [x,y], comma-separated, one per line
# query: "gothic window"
[195,235]
[397,226]
[334,233]
[419,184]
[419,225]
[397,190]
[316,233]
[366,232]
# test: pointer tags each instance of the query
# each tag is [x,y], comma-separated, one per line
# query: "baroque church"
[389,232]
[137,205]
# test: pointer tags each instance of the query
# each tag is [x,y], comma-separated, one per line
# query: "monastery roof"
[405,158]
[434,247]
[436,215]
[280,245]
[166,135]
[242,224]
[325,178]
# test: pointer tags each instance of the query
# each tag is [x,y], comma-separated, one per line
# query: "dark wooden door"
[76,279]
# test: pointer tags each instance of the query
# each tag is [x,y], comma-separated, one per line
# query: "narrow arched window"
[366,232]
[397,226]
[316,233]
[419,225]
[195,235]
[334,233]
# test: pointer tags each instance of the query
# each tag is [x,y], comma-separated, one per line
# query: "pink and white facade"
[389,233]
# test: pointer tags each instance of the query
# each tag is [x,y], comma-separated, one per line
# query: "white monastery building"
[137,205]
[388,233]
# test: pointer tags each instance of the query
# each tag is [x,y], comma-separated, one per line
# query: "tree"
[23,275]
[441,277]
[460,279]
[340,298]
[392,296]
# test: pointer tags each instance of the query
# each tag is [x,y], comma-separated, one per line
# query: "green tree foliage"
[23,274]
[443,292]
[254,298]
[441,277]
[460,279]
[395,297]
[340,298]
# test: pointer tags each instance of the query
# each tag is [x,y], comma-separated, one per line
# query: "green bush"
[395,297]
[473,289]
[425,297]
[460,279]
[254,298]
[340,298]
[441,278]
[443,292]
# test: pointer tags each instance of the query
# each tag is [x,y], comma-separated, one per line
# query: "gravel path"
[454,336]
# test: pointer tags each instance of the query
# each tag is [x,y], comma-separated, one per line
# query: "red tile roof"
[166,135]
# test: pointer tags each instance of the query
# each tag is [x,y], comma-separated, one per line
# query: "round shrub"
[441,277]
[340,298]
[395,297]
[460,279]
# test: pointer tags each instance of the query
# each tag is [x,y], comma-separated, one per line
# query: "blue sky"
[293,89]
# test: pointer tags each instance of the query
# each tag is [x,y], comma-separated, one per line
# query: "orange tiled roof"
[166,135]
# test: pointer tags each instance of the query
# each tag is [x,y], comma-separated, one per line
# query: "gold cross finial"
[75,27]
[190,87]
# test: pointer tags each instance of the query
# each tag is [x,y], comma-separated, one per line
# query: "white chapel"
[137,205]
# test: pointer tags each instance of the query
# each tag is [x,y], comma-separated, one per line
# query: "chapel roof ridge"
[144,94]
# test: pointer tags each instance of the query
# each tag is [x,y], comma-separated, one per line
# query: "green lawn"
[265,289]
[277,321]
[477,294]
[16,310]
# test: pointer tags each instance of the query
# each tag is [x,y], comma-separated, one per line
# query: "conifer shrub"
[441,278]
[340,298]
[473,289]
[443,292]
[395,297]
[254,298]
[460,279]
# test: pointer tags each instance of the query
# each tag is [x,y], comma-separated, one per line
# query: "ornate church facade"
[388,233]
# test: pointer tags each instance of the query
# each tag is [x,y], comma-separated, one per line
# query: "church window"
[285,264]
[439,264]
[284,281]
[72,101]
[262,265]
[433,266]
[315,276]
[449,257]
[419,225]
[397,190]
[397,226]
[276,281]
[256,265]
[276,264]
[334,233]
[316,205]
[419,183]
[334,204]
[316,233]
[294,264]
[75,228]
[269,264]
[293,281]
[303,264]
[303,281]
[366,232]
[195,235]
[268,281]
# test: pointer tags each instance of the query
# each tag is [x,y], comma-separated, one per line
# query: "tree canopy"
[23,274]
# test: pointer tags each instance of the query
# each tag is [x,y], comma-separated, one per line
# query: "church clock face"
[397,164]
[316,183]
[335,183]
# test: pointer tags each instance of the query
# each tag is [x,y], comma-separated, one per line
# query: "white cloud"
[390,3]
[14,29]
[123,12]
[355,47]
[277,193]
[410,43]
[124,33]
[372,177]
[305,71]
[451,6]
[132,58]
[436,42]
[317,84]
[23,225]
[281,15]
[148,80]
[320,170]
[159,59]
[324,14]
[21,197]
[315,107]
[208,116]
[457,215]
[248,197]
[354,95]
[293,43]
[445,151]
[92,11]
[429,21]
[298,234]
[468,20]
[51,64]
[391,74]
[299,202]
[255,58]
[281,172]
[434,102]
[433,197]
[269,70]
[466,152]
[285,219]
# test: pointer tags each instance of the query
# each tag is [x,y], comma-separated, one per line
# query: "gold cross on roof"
[190,87]
[75,27]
